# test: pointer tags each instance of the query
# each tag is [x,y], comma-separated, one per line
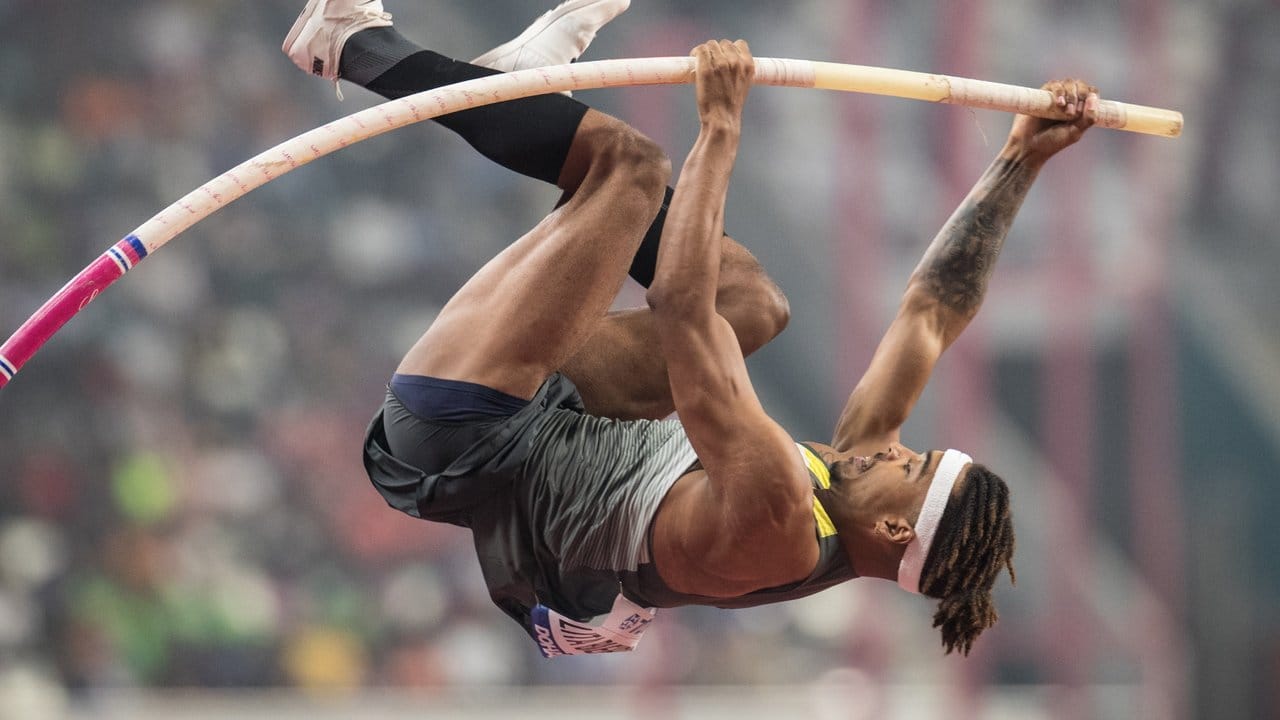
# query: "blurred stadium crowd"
[181,496]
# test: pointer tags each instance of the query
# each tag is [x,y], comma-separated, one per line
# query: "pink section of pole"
[71,299]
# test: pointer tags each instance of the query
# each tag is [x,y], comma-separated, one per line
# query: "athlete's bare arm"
[744,520]
[948,286]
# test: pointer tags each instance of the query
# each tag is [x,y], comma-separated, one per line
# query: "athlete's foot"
[558,37]
[317,37]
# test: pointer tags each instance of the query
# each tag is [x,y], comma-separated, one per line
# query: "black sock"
[646,258]
[530,136]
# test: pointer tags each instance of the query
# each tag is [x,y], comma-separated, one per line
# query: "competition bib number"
[619,632]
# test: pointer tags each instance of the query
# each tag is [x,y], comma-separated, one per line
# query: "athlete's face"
[892,482]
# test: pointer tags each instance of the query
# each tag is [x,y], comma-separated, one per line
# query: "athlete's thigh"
[533,305]
[620,370]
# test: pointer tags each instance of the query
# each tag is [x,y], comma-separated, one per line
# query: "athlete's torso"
[561,506]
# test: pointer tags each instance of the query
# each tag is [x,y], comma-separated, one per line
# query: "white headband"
[944,478]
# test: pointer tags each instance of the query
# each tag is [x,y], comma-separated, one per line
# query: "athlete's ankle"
[370,53]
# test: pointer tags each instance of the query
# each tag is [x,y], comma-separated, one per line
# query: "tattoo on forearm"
[959,262]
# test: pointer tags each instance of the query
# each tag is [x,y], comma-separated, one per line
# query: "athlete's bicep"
[751,518]
[712,391]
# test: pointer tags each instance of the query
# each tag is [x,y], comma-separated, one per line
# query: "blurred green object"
[142,488]
[130,621]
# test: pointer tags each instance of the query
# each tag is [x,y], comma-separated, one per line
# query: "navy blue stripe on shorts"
[443,400]
[430,421]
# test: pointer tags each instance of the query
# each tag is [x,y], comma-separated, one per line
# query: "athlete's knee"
[642,164]
[754,304]
[769,308]
[620,153]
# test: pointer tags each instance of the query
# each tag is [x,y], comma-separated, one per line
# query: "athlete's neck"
[871,556]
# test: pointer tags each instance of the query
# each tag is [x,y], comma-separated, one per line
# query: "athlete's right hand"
[1077,104]
[724,74]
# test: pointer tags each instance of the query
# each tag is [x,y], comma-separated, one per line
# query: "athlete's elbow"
[923,303]
[950,303]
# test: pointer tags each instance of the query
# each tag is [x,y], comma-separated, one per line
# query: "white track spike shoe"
[558,37]
[317,37]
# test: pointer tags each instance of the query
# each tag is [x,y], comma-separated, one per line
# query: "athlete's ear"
[895,529]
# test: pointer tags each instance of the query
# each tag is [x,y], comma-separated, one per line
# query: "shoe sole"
[542,23]
[299,25]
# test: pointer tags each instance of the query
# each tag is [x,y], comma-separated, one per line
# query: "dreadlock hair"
[974,542]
